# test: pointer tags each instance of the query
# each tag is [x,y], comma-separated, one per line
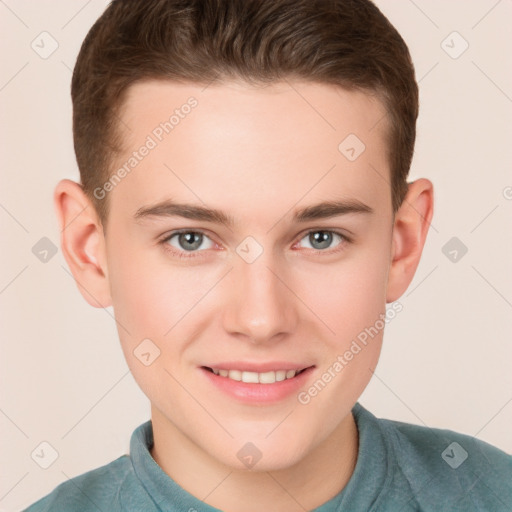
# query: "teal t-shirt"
[400,468]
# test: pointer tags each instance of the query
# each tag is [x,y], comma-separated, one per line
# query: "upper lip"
[246,366]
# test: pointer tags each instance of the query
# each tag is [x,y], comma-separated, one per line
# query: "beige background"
[446,360]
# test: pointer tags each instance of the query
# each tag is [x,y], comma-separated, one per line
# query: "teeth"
[235,375]
[267,377]
[255,377]
[280,375]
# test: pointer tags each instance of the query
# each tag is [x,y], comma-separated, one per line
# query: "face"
[250,235]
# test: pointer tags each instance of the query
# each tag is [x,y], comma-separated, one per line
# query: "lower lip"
[254,393]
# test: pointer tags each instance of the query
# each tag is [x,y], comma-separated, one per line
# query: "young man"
[244,208]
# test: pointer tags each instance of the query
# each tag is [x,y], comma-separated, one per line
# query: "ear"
[412,221]
[83,242]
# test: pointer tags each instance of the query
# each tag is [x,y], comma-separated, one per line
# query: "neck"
[306,485]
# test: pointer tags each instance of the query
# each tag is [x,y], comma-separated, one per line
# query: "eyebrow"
[323,210]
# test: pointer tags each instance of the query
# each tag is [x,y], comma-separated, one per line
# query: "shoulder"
[96,489]
[450,469]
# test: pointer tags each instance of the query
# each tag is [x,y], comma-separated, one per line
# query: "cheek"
[149,295]
[351,295]
[152,300]
[353,307]
[137,295]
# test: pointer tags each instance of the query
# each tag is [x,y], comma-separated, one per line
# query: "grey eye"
[321,239]
[188,240]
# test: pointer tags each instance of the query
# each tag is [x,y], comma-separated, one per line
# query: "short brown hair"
[349,43]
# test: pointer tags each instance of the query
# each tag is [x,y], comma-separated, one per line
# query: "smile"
[269,377]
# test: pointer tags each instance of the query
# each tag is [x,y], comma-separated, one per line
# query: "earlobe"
[412,221]
[82,242]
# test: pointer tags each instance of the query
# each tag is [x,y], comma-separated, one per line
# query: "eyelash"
[194,254]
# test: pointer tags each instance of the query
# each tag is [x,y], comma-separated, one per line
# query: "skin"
[258,154]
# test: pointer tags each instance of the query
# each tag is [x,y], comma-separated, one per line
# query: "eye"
[322,239]
[187,241]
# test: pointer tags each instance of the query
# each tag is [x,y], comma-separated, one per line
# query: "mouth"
[258,383]
[249,377]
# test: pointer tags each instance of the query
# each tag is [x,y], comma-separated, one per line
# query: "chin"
[262,455]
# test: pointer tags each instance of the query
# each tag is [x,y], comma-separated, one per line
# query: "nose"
[260,304]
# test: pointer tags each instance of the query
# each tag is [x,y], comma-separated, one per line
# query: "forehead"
[273,144]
